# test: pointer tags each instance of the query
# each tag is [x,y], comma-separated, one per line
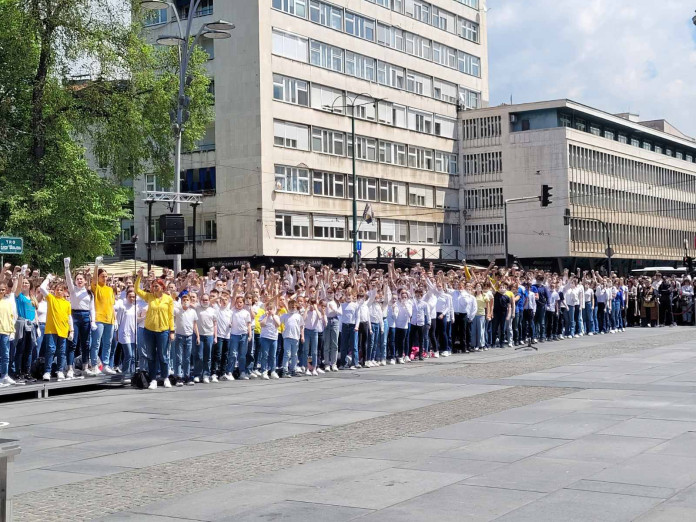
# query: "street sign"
[11,245]
[358,245]
[609,252]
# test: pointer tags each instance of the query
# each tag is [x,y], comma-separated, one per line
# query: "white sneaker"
[97,372]
[334,368]
[536,341]
[315,373]
[400,360]
[206,380]
[70,374]
[196,380]
[88,373]
[274,375]
[352,368]
[47,376]
[383,362]
[265,376]
[8,380]
[109,371]
[244,377]
[436,355]
[153,385]
[256,372]
[230,377]
[253,375]
[577,336]
[391,361]
[61,376]
[320,371]
[591,333]
[214,378]
[167,382]
[307,372]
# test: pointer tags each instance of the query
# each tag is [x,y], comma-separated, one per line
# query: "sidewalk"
[597,428]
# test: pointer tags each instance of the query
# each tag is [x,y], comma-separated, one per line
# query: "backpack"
[38,368]
[140,380]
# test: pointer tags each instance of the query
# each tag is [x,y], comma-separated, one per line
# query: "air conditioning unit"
[513,118]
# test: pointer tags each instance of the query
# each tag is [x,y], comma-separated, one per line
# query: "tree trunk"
[38,122]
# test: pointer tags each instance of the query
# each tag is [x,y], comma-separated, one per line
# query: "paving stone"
[650,428]
[658,470]
[463,467]
[603,448]
[408,449]
[324,471]
[294,511]
[473,430]
[571,426]
[623,489]
[669,513]
[38,479]
[503,448]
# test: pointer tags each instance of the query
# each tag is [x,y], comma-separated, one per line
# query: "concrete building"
[637,177]
[276,164]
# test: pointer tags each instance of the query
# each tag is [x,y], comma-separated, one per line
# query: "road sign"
[11,245]
[609,252]
[358,245]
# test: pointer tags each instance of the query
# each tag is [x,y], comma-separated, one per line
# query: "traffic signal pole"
[505,207]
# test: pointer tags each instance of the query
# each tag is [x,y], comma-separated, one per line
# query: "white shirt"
[240,321]
[41,311]
[332,309]
[314,321]
[402,313]
[363,315]
[224,318]
[269,330]
[293,325]
[349,312]
[184,320]
[207,317]
[551,303]
[125,315]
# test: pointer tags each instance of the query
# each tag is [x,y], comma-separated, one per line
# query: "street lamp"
[217,30]
[352,106]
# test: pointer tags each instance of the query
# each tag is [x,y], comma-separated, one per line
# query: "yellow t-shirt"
[257,324]
[280,312]
[160,311]
[57,316]
[104,301]
[481,301]
[7,316]
[512,300]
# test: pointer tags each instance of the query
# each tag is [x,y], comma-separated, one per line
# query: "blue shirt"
[522,292]
[25,309]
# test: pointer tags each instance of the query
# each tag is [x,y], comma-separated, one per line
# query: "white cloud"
[614,55]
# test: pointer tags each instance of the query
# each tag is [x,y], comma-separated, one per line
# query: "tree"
[84,106]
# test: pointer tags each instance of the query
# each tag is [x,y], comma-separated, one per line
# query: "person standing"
[59,326]
[26,329]
[104,301]
[8,318]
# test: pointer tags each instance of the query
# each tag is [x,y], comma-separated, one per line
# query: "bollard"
[9,449]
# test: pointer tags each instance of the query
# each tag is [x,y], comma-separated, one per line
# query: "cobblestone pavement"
[410,442]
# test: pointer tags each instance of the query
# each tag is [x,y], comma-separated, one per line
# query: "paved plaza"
[597,428]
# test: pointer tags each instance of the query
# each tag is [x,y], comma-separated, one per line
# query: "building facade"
[639,178]
[276,165]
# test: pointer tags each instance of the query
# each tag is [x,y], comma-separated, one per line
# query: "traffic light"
[545,195]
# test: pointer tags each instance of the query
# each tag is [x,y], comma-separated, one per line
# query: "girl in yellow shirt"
[59,326]
[7,328]
[103,326]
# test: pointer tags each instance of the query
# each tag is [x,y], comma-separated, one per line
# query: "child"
[185,326]
[59,326]
[293,333]
[240,335]
[269,321]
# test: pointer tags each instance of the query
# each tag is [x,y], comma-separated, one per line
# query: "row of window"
[337,185]
[435,16]
[478,128]
[640,141]
[646,240]
[301,92]
[327,56]
[623,201]
[616,166]
[477,236]
[360,26]
[482,163]
[338,143]
[317,226]
[160,16]
[484,199]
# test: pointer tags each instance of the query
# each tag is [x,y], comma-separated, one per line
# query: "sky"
[613,55]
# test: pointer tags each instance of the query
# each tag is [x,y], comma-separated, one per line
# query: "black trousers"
[461,331]
[527,325]
[551,324]
[441,334]
[363,339]
[417,338]
[400,337]
[498,329]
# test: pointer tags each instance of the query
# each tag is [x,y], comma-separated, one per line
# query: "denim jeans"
[102,336]
[182,355]
[204,351]
[268,354]
[4,354]
[570,321]
[237,353]
[55,345]
[540,322]
[331,341]
[290,354]
[311,338]
[81,340]
[375,343]
[349,343]
[156,350]
[478,331]
[128,359]
[391,343]
[588,318]
[302,354]
[221,356]
[578,319]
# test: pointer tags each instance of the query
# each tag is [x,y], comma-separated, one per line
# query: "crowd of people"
[183,329]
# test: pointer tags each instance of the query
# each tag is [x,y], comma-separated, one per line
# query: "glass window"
[445,127]
[392,192]
[210,228]
[292,179]
[294,7]
[469,30]
[327,56]
[393,231]
[328,141]
[444,91]
[367,188]
[469,99]
[469,64]
[290,90]
[420,196]
[326,14]
[329,227]
[366,148]
[443,20]
[595,130]
[419,83]
[364,107]
[360,66]
[385,112]
[420,121]
[360,26]
[389,36]
[327,98]
[155,16]
[418,46]
[445,162]
[367,231]
[392,153]
[328,184]
[289,45]
[609,134]
[291,135]
[390,75]
[292,225]
[420,158]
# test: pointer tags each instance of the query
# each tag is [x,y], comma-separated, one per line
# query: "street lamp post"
[609,252]
[213,30]
[352,105]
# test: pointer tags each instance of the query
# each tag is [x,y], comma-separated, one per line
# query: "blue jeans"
[128,359]
[182,355]
[55,345]
[478,331]
[570,321]
[391,342]
[4,354]
[290,354]
[269,348]
[385,340]
[237,352]
[156,350]
[616,319]
[302,356]
[81,340]
[331,341]
[375,343]
[103,336]
[349,340]
[204,352]
[588,318]
[311,338]
[578,319]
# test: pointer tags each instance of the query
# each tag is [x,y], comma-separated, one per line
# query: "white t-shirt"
[125,315]
[207,317]
[224,318]
[184,320]
[293,325]
[240,321]
[269,330]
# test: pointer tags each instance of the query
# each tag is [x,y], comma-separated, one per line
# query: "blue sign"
[359,245]
[11,245]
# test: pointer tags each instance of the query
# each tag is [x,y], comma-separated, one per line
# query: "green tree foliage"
[84,106]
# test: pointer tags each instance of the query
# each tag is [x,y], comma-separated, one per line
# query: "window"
[392,153]
[155,231]
[444,91]
[294,7]
[419,83]
[443,20]
[399,116]
[422,232]
[622,138]
[328,184]
[444,55]
[327,56]
[292,225]
[366,148]
[328,141]
[389,36]
[565,120]
[390,75]
[580,125]
[326,98]
[469,30]
[364,107]
[420,158]
[635,142]
[420,121]
[199,181]
[393,231]
[445,127]
[658,149]
[595,130]
[445,162]
[469,99]
[419,10]
[360,66]
[609,134]
[325,14]
[208,46]
[205,8]
[385,112]
[292,179]
[647,145]
[446,234]
[290,90]
[440,198]
[153,184]
[155,16]
[418,46]
[289,46]
[367,231]
[328,227]
[469,64]
[474,4]
[392,192]
[360,26]
[290,135]
[420,196]
[367,189]
[210,228]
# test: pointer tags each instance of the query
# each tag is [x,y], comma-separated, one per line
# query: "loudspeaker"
[172,226]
